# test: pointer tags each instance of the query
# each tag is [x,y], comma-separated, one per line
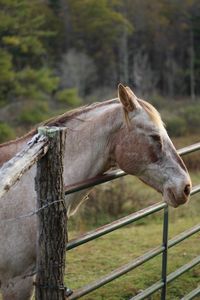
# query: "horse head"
[143,148]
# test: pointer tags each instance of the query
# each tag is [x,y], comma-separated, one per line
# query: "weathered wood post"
[52,232]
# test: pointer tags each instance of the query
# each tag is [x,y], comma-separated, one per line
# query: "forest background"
[56,55]
[59,54]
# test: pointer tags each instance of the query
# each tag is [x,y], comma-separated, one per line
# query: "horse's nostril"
[187,190]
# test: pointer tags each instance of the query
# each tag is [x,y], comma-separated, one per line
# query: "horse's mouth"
[168,194]
[170,198]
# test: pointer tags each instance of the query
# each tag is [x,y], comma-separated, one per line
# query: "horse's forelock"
[151,111]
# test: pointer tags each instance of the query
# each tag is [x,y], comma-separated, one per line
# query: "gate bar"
[91,235]
[152,253]
[116,273]
[189,149]
[164,254]
[183,235]
[195,190]
[192,294]
[155,287]
[132,265]
[149,291]
[183,269]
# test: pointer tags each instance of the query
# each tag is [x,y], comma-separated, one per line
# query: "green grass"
[97,258]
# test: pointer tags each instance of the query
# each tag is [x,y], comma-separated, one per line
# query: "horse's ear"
[127,98]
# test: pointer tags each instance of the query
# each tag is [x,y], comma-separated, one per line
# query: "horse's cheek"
[127,160]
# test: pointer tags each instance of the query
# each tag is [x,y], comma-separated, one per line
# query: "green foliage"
[92,17]
[22,27]
[6,73]
[96,28]
[34,112]
[24,32]
[108,38]
[69,97]
[6,132]
[35,84]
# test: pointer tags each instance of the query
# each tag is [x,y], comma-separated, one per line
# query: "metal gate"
[163,249]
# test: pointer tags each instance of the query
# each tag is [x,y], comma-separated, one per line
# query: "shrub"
[35,84]
[34,113]
[176,126]
[6,132]
[192,117]
[69,97]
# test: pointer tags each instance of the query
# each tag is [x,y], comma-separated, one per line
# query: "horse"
[125,132]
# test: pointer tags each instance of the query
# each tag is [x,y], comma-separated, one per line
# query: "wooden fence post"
[52,220]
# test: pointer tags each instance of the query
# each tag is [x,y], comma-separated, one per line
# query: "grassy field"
[95,259]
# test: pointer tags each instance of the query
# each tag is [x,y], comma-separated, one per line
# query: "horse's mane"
[69,115]
[63,118]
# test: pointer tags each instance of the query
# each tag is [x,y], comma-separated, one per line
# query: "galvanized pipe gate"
[163,249]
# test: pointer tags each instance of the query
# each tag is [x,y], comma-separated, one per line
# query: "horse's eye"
[157,139]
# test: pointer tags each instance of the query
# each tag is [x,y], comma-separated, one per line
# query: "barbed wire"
[32,213]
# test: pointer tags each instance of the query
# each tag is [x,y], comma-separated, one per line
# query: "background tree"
[96,29]
[52,52]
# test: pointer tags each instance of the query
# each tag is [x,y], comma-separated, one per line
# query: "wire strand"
[32,213]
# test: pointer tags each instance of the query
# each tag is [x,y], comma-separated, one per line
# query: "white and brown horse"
[126,132]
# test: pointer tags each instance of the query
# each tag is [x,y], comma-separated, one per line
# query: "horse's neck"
[89,142]
[8,150]
[88,150]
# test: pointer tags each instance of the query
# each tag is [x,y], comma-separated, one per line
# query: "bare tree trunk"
[64,14]
[192,59]
[52,219]
[61,8]
[170,78]
[123,61]
[123,51]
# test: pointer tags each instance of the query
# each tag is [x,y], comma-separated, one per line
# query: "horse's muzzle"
[176,198]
